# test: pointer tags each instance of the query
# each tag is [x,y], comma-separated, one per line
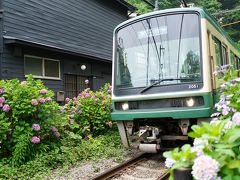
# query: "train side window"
[224,55]
[233,60]
[218,52]
[237,60]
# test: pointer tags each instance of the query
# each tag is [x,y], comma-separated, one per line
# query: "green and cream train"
[163,74]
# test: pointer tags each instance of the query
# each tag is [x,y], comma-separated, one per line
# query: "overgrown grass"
[104,146]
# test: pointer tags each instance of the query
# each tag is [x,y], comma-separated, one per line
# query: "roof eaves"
[24,42]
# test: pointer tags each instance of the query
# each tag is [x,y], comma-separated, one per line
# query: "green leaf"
[234,164]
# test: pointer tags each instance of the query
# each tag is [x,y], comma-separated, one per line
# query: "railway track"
[142,167]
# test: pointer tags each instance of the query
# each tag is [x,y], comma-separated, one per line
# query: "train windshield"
[158,48]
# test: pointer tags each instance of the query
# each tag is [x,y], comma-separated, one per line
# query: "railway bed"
[141,167]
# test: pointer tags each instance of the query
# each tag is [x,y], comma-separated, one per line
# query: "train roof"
[203,14]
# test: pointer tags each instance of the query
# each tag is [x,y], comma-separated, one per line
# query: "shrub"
[27,113]
[215,153]
[89,112]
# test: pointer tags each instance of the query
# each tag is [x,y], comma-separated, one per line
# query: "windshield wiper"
[162,80]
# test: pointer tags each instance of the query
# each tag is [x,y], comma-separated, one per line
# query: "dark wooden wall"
[84,27]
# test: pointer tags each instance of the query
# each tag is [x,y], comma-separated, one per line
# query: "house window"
[41,67]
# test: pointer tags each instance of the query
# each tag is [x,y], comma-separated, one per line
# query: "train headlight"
[125,106]
[190,102]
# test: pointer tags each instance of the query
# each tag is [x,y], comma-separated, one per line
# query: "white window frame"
[43,67]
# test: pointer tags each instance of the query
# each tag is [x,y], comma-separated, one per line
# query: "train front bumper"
[174,113]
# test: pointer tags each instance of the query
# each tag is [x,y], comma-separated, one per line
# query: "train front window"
[158,48]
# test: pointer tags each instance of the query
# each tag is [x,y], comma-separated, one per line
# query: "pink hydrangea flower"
[35,140]
[41,100]
[67,99]
[2,91]
[1,105]
[6,108]
[78,104]
[57,134]
[61,109]
[54,129]
[80,111]
[43,91]
[36,127]
[87,95]
[34,102]
[48,99]
[2,99]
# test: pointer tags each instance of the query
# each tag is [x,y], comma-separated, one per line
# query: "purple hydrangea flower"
[67,99]
[216,114]
[34,102]
[236,118]
[225,111]
[43,91]
[2,99]
[215,121]
[205,168]
[41,100]
[6,108]
[36,127]
[228,125]
[48,99]
[35,139]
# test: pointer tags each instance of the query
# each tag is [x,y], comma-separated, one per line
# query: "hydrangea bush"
[90,112]
[27,113]
[215,153]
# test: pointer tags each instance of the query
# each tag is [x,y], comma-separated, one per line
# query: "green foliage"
[27,113]
[219,139]
[65,157]
[90,112]
[142,7]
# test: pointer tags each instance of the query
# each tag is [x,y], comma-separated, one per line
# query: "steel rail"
[123,166]
[114,170]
